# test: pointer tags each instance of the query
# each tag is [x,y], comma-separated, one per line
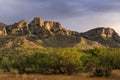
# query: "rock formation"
[2,29]
[18,29]
[40,33]
[45,29]
[105,36]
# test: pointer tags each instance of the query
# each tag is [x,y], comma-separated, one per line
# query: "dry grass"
[82,76]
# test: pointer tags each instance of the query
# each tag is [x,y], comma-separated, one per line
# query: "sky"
[76,15]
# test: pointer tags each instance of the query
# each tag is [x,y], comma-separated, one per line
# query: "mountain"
[105,36]
[42,34]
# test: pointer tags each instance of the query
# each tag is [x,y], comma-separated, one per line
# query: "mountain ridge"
[41,34]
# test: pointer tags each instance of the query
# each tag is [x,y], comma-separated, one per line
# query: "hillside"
[105,36]
[41,34]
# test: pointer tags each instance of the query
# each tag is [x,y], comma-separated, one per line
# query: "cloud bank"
[79,15]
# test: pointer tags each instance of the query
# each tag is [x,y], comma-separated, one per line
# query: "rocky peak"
[51,34]
[19,28]
[21,24]
[43,28]
[37,22]
[105,36]
[2,29]
[104,33]
[36,25]
[48,25]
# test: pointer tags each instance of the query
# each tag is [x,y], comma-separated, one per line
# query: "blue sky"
[77,15]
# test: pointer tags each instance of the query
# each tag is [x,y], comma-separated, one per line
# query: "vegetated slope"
[39,34]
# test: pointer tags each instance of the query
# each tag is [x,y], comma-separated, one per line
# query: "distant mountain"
[105,36]
[41,34]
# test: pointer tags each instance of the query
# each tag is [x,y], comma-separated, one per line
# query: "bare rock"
[18,29]
[57,27]
[104,33]
[105,36]
[48,25]
[51,34]
[2,29]
[37,22]
[46,29]
[36,27]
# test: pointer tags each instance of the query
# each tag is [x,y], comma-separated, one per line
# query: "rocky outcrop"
[36,27]
[40,33]
[2,29]
[105,36]
[104,33]
[18,29]
[44,29]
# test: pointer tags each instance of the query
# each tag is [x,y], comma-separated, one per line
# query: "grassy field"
[81,76]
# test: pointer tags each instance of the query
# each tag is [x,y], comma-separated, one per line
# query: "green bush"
[62,61]
[59,61]
[101,61]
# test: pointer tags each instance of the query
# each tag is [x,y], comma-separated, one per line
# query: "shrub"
[63,61]
[59,61]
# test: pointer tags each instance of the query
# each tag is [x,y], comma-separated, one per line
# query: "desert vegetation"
[99,62]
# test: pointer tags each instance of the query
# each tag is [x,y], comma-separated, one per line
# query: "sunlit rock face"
[39,28]
[107,33]
[3,29]
[44,29]
[104,33]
